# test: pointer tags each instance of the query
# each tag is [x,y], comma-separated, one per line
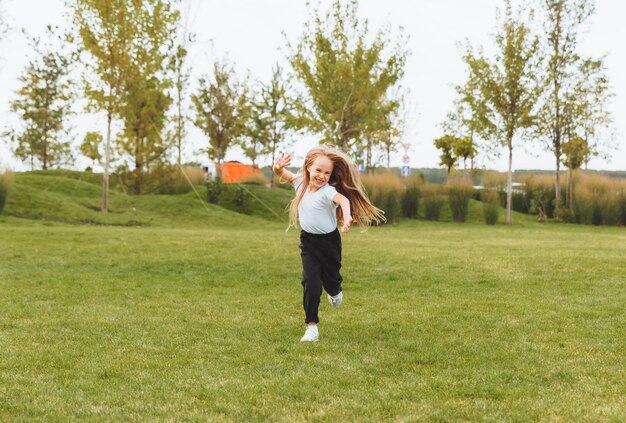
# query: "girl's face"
[320,171]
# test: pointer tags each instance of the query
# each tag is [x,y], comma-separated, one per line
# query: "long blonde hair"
[346,181]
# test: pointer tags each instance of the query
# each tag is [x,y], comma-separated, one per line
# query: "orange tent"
[236,171]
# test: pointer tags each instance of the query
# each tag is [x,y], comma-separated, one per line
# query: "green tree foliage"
[145,101]
[464,123]
[345,77]
[507,87]
[587,103]
[42,104]
[90,147]
[447,158]
[562,28]
[222,110]
[464,149]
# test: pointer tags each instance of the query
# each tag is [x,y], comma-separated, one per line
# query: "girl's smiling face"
[319,172]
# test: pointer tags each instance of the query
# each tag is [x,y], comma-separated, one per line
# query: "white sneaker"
[336,300]
[311,334]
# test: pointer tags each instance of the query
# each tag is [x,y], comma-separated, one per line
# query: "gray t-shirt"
[316,211]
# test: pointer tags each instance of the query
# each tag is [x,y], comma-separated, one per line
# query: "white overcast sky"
[250,33]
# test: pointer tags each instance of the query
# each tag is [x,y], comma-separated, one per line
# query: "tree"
[387,134]
[464,149]
[90,147]
[270,118]
[143,112]
[145,101]
[104,31]
[43,103]
[447,158]
[181,79]
[345,78]
[561,36]
[222,109]
[464,123]
[590,118]
[272,114]
[507,87]
[180,74]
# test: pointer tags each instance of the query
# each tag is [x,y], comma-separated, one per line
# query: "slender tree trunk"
[509,184]
[107,156]
[558,178]
[45,130]
[138,166]
[273,151]
[368,156]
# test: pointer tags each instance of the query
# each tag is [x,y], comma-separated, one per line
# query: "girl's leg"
[330,258]
[311,280]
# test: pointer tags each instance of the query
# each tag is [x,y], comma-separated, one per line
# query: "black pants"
[321,262]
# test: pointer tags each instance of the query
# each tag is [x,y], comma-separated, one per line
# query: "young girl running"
[328,191]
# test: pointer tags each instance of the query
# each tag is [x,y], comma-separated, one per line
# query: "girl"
[328,191]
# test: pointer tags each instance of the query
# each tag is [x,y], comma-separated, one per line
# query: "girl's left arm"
[344,203]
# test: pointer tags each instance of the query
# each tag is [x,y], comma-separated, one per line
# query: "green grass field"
[196,316]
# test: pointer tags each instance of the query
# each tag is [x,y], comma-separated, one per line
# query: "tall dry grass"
[459,193]
[385,191]
[599,200]
[491,206]
[494,180]
[255,179]
[433,197]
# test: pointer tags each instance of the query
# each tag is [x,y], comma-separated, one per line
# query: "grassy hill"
[75,197]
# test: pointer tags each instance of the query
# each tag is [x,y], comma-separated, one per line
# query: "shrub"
[214,190]
[541,192]
[241,199]
[564,214]
[6,182]
[459,194]
[491,206]
[433,202]
[519,202]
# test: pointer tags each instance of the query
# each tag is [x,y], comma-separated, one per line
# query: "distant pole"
[406,159]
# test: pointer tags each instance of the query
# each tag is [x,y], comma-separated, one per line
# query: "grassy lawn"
[201,322]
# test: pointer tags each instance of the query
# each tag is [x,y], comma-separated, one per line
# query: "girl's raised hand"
[281,162]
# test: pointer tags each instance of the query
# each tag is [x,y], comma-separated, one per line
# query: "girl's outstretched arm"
[344,203]
[283,161]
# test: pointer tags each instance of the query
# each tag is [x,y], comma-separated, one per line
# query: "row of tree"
[129,60]
[537,86]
